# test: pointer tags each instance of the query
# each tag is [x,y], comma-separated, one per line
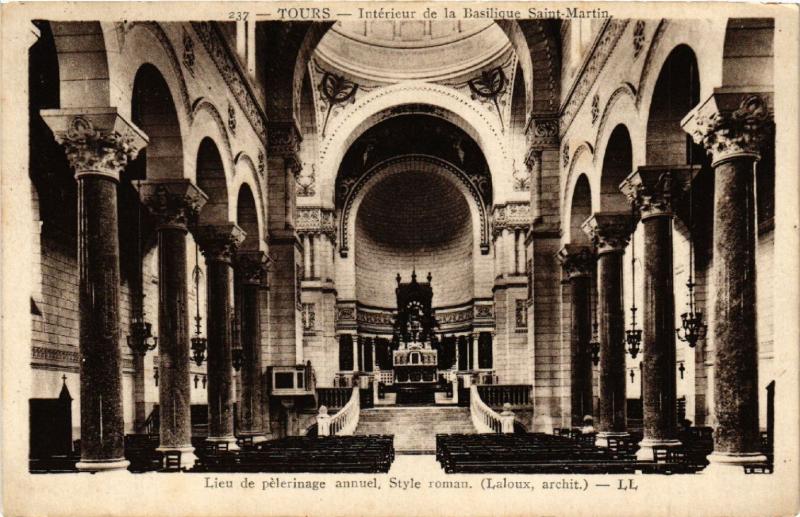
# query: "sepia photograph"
[400,259]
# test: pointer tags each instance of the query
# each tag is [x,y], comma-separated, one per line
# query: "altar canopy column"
[219,244]
[734,127]
[251,271]
[578,262]
[98,143]
[652,189]
[174,203]
[609,232]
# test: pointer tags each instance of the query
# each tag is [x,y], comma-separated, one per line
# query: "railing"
[333,397]
[487,420]
[342,423]
[152,425]
[499,394]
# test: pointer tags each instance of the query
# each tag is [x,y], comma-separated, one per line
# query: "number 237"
[239,16]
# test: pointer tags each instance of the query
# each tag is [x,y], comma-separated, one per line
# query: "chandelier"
[692,328]
[594,344]
[633,336]
[141,339]
[237,356]
[198,341]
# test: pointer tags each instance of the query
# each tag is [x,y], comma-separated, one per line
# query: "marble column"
[652,189]
[98,143]
[251,270]
[734,126]
[174,203]
[219,244]
[578,262]
[609,232]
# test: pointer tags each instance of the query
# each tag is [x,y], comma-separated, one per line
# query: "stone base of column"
[102,465]
[230,440]
[188,457]
[601,440]
[731,463]
[645,452]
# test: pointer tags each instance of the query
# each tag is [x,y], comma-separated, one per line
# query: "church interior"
[513,245]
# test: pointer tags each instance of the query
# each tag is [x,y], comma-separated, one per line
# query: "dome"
[395,50]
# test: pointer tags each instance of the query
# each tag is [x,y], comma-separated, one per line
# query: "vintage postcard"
[400,258]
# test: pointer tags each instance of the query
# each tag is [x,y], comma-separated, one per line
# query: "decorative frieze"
[638,38]
[188,52]
[175,203]
[511,216]
[484,310]
[316,220]
[606,41]
[595,108]
[95,140]
[732,123]
[233,75]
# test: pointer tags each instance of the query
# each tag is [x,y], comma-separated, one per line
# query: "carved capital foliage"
[653,189]
[219,242]
[283,139]
[609,231]
[95,140]
[511,216]
[577,261]
[175,203]
[252,267]
[542,131]
[731,124]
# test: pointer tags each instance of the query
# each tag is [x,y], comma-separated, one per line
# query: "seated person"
[588,425]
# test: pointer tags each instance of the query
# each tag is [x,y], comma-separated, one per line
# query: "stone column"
[174,203]
[734,126]
[98,143]
[218,244]
[652,189]
[251,269]
[578,262]
[609,232]
[475,352]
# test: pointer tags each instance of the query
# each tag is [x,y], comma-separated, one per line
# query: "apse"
[410,220]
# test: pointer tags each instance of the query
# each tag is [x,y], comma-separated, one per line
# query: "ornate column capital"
[542,131]
[316,220]
[97,141]
[219,242]
[283,140]
[576,260]
[252,267]
[652,188]
[609,231]
[732,123]
[175,203]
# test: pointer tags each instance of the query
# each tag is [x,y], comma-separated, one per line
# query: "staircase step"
[415,427]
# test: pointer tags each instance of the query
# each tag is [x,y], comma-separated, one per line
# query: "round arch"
[402,99]
[212,180]
[580,209]
[403,163]
[676,93]
[617,164]
[247,218]
[153,110]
